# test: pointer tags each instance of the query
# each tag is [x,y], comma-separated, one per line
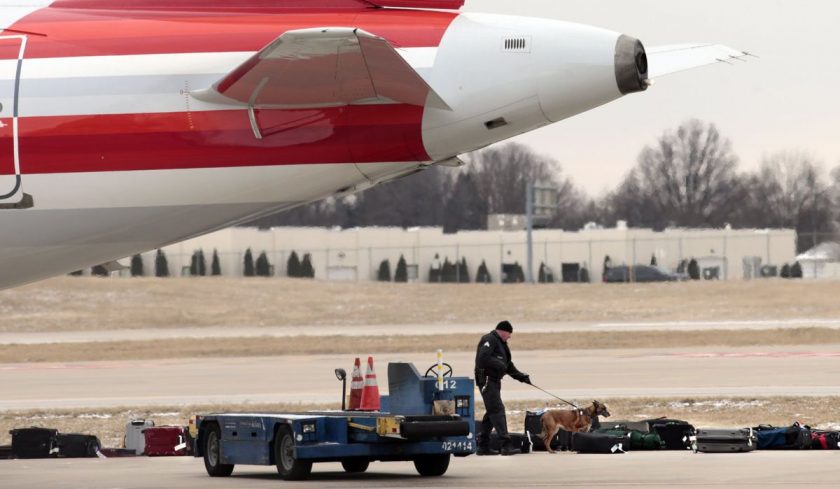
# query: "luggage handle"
[182,444]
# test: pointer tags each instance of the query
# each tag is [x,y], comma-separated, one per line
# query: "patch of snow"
[718,404]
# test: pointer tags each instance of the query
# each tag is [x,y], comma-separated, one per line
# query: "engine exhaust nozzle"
[631,65]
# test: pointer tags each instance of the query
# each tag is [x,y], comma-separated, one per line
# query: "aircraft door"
[11,60]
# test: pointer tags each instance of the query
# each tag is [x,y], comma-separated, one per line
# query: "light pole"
[529,219]
[540,202]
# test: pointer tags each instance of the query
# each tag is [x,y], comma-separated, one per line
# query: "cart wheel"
[432,465]
[289,468]
[213,453]
[355,465]
[447,371]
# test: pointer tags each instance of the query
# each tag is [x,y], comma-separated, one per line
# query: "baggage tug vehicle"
[424,419]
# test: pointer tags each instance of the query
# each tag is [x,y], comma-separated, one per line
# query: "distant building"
[506,222]
[821,261]
[356,254]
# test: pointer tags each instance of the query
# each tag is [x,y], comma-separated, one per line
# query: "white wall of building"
[361,250]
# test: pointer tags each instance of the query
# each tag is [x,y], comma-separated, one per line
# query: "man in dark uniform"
[492,362]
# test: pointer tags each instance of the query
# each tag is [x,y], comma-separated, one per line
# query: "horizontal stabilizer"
[323,67]
[664,60]
[441,4]
[251,5]
[205,5]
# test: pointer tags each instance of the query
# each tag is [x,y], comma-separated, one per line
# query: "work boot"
[508,449]
[486,450]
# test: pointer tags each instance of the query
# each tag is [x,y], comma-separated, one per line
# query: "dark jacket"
[494,358]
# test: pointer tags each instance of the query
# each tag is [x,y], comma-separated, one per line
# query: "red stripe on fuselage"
[70,32]
[359,134]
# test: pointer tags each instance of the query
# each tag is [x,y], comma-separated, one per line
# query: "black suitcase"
[77,446]
[674,432]
[639,440]
[562,441]
[599,443]
[33,442]
[520,441]
[5,452]
[724,441]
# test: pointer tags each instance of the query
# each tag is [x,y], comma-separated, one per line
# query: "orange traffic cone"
[370,393]
[357,384]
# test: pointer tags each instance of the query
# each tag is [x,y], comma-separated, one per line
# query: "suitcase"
[791,438]
[5,452]
[562,441]
[165,441]
[117,452]
[34,442]
[520,441]
[77,446]
[674,432]
[599,443]
[134,439]
[825,440]
[639,440]
[724,441]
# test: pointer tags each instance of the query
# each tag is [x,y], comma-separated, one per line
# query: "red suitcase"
[165,441]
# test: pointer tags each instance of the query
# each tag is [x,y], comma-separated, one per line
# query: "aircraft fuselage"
[106,150]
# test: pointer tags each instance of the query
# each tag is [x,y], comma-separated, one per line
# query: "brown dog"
[572,420]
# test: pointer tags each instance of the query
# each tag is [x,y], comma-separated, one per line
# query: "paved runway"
[234,331]
[640,469]
[757,371]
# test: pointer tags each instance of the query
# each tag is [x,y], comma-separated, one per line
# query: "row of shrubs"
[452,273]
[791,271]
[448,272]
[262,267]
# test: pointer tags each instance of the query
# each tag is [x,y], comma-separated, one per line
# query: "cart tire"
[432,465]
[213,453]
[289,468]
[355,465]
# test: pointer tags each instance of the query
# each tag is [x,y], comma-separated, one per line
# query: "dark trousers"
[491,392]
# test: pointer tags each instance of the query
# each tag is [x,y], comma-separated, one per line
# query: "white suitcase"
[134,437]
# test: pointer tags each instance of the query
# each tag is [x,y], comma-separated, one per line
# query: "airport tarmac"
[234,331]
[635,469]
[576,375]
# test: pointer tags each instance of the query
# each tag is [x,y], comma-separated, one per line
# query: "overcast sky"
[787,99]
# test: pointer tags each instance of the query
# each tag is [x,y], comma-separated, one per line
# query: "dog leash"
[552,395]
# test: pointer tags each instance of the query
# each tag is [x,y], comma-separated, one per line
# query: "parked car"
[641,274]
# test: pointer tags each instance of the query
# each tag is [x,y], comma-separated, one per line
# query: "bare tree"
[788,190]
[688,178]
[417,200]
[329,212]
[631,202]
[502,173]
[465,209]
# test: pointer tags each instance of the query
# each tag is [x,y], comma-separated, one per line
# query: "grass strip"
[322,345]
